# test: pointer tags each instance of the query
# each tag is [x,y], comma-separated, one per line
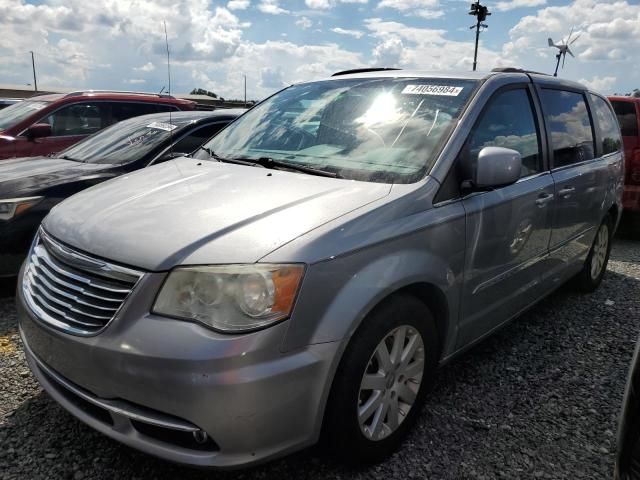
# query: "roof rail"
[86,92]
[516,70]
[363,70]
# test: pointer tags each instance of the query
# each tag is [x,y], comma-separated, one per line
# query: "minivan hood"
[188,211]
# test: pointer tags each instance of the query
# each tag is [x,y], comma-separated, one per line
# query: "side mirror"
[497,167]
[38,130]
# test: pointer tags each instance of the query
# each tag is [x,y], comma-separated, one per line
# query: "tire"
[595,265]
[351,399]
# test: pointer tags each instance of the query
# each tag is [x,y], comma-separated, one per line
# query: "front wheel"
[596,264]
[381,383]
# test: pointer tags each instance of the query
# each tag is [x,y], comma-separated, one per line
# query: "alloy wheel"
[600,248]
[391,382]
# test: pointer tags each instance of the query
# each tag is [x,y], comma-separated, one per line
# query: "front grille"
[72,291]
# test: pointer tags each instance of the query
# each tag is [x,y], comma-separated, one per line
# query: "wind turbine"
[563,49]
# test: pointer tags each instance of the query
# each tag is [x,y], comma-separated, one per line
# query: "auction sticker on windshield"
[162,126]
[432,90]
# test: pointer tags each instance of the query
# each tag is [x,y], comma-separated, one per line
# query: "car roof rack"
[516,70]
[363,70]
[124,92]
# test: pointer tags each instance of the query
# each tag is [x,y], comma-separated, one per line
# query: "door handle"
[543,199]
[565,192]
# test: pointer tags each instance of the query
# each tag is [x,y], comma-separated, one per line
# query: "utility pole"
[245,91]
[481,13]
[33,65]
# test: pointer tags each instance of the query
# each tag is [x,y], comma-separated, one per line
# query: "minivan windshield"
[385,130]
[124,142]
[17,112]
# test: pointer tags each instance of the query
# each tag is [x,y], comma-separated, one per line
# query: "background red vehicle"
[628,112]
[47,124]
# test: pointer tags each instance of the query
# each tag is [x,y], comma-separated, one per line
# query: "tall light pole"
[481,13]
[245,91]
[33,66]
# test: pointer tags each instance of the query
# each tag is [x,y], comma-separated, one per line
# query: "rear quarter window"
[627,117]
[611,141]
[570,126]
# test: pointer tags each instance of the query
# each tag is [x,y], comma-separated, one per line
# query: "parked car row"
[47,124]
[303,273]
[30,187]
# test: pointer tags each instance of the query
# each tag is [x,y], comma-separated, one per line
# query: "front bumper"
[150,382]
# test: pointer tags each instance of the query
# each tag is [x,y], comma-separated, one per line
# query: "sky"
[120,44]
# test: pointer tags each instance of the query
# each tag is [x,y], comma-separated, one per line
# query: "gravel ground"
[539,399]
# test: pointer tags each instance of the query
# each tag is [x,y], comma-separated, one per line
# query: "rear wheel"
[596,264]
[381,383]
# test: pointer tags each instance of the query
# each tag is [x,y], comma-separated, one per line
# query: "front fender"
[338,294]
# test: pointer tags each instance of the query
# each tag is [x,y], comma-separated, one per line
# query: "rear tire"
[595,265]
[376,397]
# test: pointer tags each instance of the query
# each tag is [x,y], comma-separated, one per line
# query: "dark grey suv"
[313,264]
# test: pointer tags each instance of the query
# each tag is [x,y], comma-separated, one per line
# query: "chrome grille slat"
[68,295]
[59,312]
[42,291]
[92,283]
[72,291]
[53,277]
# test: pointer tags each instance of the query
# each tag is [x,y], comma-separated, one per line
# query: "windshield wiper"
[67,157]
[217,157]
[268,162]
[207,150]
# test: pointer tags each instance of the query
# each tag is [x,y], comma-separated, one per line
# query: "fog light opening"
[200,437]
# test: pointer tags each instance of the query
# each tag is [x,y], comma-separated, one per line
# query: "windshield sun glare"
[385,130]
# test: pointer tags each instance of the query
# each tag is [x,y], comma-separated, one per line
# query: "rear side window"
[627,117]
[609,130]
[123,111]
[508,122]
[195,139]
[570,126]
[77,119]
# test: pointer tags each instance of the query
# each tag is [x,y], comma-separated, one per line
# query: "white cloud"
[320,4]
[513,4]
[351,33]
[238,4]
[304,23]
[400,45]
[388,52]
[272,7]
[272,78]
[147,67]
[609,39]
[328,4]
[600,84]
[296,63]
[135,81]
[422,8]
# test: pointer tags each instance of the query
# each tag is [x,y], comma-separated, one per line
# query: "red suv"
[628,112]
[46,124]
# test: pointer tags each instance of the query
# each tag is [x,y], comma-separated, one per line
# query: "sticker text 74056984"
[432,90]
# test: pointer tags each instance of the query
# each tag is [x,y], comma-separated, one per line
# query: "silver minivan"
[303,274]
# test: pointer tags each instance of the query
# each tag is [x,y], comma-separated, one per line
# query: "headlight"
[13,207]
[230,298]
